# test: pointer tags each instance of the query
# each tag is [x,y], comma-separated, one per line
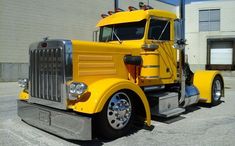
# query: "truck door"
[161,32]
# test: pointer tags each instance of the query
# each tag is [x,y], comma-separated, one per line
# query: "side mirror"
[178,29]
[179,42]
[95,35]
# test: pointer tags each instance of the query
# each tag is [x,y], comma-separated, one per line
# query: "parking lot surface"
[200,125]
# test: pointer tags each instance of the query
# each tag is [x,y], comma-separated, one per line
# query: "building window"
[209,20]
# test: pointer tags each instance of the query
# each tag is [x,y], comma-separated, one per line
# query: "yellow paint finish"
[150,67]
[167,57]
[93,61]
[23,95]
[133,16]
[100,91]
[203,80]
[167,62]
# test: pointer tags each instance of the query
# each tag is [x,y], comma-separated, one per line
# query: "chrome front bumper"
[65,124]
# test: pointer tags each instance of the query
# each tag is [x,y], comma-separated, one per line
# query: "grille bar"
[46,73]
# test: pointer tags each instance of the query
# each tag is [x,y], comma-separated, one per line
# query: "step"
[171,113]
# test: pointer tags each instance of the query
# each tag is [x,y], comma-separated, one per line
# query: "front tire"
[116,118]
[217,89]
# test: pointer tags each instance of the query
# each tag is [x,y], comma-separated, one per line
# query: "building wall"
[27,21]
[197,41]
[123,4]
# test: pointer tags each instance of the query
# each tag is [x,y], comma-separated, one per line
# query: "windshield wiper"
[163,30]
[117,36]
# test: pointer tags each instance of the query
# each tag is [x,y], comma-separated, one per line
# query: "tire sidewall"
[213,101]
[105,130]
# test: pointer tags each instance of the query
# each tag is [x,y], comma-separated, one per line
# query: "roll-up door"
[221,53]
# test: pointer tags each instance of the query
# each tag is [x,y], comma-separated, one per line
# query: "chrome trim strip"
[150,77]
[151,66]
[68,125]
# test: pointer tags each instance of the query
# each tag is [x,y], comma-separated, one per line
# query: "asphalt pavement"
[200,125]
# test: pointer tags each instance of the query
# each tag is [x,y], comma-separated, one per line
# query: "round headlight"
[76,89]
[23,83]
[72,88]
[80,88]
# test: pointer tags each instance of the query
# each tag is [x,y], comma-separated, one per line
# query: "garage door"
[221,53]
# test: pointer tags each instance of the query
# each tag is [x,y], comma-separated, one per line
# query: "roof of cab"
[134,16]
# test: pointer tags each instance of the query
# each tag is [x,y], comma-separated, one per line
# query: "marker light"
[111,12]
[141,5]
[148,7]
[119,10]
[131,8]
[104,15]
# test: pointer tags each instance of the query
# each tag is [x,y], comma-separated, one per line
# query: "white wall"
[123,4]
[25,21]
[197,41]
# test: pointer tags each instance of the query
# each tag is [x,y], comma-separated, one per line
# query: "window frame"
[210,20]
[113,27]
[162,19]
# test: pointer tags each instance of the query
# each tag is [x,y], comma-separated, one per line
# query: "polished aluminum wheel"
[217,89]
[119,110]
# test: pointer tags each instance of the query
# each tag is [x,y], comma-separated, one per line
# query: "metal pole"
[182,52]
[115,4]
[182,16]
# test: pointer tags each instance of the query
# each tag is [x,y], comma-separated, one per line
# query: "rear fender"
[203,80]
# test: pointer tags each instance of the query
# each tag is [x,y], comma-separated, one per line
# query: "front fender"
[23,95]
[100,91]
[203,80]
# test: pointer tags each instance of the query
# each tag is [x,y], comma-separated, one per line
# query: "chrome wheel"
[217,90]
[119,110]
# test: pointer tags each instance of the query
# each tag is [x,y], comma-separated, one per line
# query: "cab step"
[171,113]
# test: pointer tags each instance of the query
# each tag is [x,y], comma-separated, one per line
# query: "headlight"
[76,89]
[23,83]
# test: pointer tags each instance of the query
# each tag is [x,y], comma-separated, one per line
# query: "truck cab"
[78,88]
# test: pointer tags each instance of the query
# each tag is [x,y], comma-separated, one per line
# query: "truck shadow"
[94,142]
[138,126]
[176,118]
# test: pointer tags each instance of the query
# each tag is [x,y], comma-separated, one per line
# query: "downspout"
[182,52]
[115,4]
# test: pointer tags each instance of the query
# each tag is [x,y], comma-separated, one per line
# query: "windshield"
[125,31]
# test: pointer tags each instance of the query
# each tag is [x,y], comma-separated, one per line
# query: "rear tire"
[217,89]
[116,118]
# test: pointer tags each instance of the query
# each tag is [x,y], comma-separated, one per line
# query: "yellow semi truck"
[78,89]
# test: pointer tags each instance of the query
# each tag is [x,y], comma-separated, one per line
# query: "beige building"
[26,21]
[210,34]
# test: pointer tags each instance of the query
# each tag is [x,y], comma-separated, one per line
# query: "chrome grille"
[46,73]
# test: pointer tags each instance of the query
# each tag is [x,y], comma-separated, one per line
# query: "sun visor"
[123,17]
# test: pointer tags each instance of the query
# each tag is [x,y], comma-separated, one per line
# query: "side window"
[159,30]
[106,33]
